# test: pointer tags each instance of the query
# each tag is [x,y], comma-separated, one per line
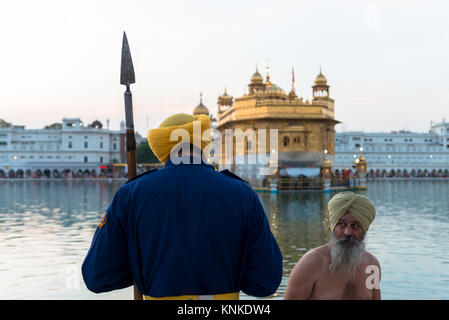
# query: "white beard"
[346,255]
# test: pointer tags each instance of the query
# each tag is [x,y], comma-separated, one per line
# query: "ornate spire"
[267,75]
[293,79]
[201,108]
[292,95]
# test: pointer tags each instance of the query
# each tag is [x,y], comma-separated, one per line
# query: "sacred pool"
[46,228]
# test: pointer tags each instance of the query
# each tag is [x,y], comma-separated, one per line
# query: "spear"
[126,78]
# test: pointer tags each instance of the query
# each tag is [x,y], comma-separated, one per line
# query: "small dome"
[320,79]
[225,96]
[274,89]
[200,109]
[257,77]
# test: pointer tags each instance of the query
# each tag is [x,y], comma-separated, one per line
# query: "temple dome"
[200,109]
[257,77]
[320,79]
[273,89]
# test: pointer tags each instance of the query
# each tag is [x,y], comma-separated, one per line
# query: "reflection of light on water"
[46,229]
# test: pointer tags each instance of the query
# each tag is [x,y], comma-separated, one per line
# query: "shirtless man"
[342,268]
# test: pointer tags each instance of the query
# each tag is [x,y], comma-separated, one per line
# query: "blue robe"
[184,230]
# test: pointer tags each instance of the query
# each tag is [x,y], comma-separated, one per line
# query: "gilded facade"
[305,128]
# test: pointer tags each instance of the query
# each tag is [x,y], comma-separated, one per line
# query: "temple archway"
[55,173]
[47,173]
[19,173]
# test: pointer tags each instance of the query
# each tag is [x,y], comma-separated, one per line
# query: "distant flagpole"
[293,79]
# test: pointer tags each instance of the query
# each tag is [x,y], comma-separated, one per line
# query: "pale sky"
[387,62]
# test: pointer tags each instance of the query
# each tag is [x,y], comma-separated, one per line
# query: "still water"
[46,228]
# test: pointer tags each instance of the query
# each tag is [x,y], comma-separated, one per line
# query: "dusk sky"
[387,62]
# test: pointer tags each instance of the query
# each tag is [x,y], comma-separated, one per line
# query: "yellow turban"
[359,206]
[159,139]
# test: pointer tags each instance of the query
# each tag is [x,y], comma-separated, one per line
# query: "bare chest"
[333,287]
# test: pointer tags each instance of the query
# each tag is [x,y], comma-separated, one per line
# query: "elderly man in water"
[341,269]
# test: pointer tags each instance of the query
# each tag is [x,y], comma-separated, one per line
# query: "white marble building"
[406,153]
[67,147]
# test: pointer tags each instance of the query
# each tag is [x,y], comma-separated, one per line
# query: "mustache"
[347,240]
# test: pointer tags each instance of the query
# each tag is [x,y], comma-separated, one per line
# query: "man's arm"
[302,278]
[263,268]
[106,266]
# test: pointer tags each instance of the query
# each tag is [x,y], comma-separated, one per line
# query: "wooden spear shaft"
[126,78]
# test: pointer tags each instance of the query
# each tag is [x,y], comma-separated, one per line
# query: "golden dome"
[225,95]
[225,99]
[274,89]
[256,77]
[320,79]
[201,108]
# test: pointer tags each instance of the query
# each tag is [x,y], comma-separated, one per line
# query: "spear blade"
[127,68]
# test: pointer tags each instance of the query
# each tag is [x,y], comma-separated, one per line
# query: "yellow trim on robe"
[222,296]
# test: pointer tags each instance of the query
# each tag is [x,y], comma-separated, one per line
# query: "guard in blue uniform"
[185,231]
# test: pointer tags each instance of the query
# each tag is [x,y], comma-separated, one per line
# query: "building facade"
[396,154]
[64,149]
[304,129]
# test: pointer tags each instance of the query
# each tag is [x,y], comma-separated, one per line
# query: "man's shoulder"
[310,264]
[315,257]
[318,253]
[230,174]
[144,174]
[371,259]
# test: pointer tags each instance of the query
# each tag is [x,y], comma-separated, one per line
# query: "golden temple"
[305,129]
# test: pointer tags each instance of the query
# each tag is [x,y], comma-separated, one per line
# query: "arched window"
[286,141]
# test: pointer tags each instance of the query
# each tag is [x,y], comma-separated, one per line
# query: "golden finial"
[267,72]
